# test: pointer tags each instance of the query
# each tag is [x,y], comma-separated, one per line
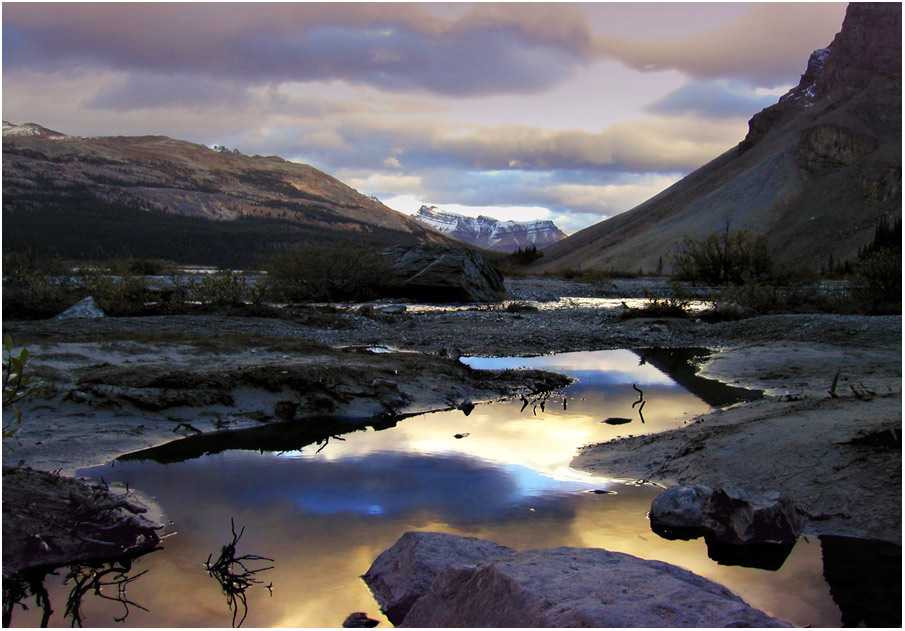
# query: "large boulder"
[742,518]
[569,587]
[680,507]
[728,515]
[403,573]
[442,274]
[84,308]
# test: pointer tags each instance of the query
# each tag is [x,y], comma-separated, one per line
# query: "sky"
[569,112]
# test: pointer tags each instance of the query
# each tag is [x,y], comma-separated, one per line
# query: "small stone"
[359,620]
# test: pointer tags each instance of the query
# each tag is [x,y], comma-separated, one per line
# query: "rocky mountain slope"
[486,232]
[815,172]
[154,196]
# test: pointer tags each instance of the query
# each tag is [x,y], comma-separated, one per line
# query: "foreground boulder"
[442,274]
[559,587]
[729,515]
[404,572]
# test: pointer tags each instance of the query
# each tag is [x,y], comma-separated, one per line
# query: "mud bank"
[100,400]
[835,451]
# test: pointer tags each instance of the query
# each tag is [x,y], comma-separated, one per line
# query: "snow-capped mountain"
[490,233]
[29,129]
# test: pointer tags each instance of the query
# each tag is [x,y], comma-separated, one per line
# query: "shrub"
[341,271]
[35,287]
[140,267]
[675,305]
[723,259]
[877,281]
[226,288]
[122,295]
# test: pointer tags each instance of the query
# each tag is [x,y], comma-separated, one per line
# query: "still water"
[324,504]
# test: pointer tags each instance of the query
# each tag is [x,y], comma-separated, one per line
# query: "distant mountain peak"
[30,129]
[490,233]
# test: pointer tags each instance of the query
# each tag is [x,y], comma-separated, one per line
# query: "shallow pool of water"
[324,507]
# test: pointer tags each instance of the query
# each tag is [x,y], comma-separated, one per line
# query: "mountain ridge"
[58,187]
[814,174]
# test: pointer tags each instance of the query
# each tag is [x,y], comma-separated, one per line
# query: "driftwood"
[234,576]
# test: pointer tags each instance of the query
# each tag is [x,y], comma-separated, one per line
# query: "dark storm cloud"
[713,99]
[368,44]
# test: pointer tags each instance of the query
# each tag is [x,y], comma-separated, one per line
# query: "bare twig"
[832,390]
[235,582]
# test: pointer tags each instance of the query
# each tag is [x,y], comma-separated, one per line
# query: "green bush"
[340,271]
[730,258]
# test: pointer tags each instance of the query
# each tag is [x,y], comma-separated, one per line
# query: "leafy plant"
[16,384]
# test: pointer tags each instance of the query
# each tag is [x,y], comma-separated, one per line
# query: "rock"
[359,620]
[576,587]
[393,309]
[467,407]
[616,420]
[739,517]
[404,572]
[77,396]
[829,146]
[727,515]
[84,308]
[680,507]
[285,410]
[442,274]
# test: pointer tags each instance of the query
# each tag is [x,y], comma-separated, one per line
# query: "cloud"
[716,99]
[152,91]
[487,49]
[392,47]
[767,46]
[645,145]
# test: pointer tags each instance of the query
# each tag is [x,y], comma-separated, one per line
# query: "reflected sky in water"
[325,515]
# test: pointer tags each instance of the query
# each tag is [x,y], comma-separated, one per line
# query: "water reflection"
[324,512]
[234,576]
[87,578]
[865,579]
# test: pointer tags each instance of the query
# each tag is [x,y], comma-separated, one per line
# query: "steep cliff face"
[489,233]
[814,173]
